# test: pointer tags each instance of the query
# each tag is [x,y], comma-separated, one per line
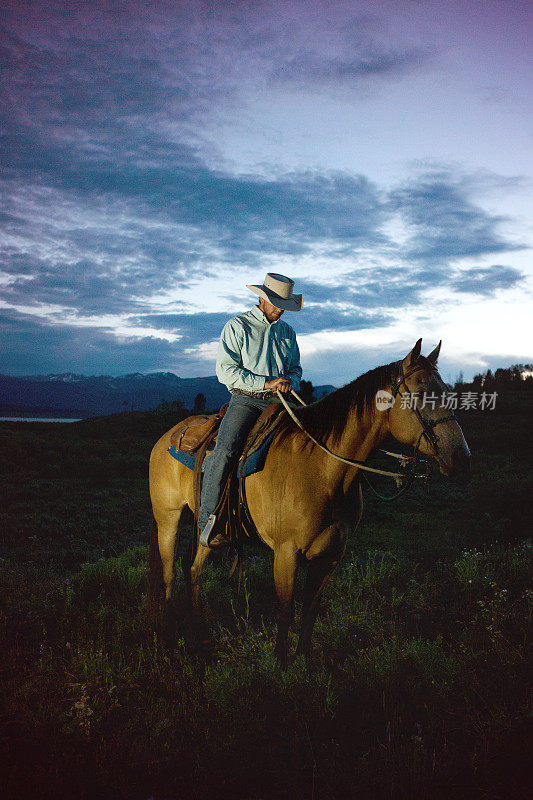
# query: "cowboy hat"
[277,289]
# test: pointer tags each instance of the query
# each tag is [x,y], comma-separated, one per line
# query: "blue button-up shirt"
[253,350]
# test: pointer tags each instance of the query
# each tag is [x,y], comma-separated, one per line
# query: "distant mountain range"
[98,395]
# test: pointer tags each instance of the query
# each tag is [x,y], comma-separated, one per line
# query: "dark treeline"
[519,377]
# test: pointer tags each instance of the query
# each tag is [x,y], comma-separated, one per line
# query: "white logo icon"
[384,400]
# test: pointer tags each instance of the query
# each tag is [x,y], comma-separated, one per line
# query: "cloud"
[31,346]
[111,257]
[92,271]
[384,288]
[444,223]
[193,329]
[108,200]
[388,288]
[236,214]
[103,122]
[200,328]
[81,245]
[486,281]
[310,67]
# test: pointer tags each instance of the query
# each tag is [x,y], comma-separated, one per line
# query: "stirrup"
[208,530]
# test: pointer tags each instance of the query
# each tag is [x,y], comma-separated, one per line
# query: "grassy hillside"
[419,684]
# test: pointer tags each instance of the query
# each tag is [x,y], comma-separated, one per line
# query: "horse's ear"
[433,356]
[413,356]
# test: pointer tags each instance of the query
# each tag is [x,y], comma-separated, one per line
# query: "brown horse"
[305,502]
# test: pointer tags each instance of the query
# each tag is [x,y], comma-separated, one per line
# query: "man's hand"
[283,384]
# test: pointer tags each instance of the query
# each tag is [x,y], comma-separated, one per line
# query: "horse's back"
[163,443]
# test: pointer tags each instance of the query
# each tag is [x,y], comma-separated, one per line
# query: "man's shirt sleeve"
[229,365]
[295,370]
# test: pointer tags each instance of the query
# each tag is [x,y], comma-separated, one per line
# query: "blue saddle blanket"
[254,463]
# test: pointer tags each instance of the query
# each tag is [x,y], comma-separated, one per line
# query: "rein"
[352,463]
[428,432]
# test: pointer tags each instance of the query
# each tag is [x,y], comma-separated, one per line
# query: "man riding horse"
[306,499]
[257,355]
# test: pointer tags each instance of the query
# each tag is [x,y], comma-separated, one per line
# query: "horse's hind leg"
[285,569]
[319,570]
[192,546]
[166,531]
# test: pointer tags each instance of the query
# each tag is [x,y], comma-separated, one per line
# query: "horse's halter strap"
[428,425]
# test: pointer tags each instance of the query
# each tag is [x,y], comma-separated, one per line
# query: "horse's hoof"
[169,640]
[306,655]
[168,635]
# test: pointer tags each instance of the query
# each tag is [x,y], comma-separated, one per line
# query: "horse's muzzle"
[459,470]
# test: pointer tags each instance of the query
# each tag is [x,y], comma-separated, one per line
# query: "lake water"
[37,419]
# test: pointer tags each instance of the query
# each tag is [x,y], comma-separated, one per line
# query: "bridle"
[427,431]
[428,425]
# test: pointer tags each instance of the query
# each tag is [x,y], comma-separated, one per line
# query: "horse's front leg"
[199,632]
[194,585]
[285,569]
[320,567]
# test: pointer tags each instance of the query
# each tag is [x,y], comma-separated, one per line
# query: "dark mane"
[327,416]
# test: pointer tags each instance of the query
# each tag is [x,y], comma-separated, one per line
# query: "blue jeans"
[238,421]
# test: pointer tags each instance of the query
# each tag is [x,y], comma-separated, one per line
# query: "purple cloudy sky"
[158,156]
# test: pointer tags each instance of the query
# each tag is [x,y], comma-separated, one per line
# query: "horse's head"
[420,415]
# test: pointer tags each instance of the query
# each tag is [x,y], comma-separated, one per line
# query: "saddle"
[198,435]
[194,431]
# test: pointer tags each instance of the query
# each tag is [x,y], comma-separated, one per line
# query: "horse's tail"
[156,586]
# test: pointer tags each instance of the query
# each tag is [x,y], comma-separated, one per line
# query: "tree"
[165,407]
[503,376]
[199,403]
